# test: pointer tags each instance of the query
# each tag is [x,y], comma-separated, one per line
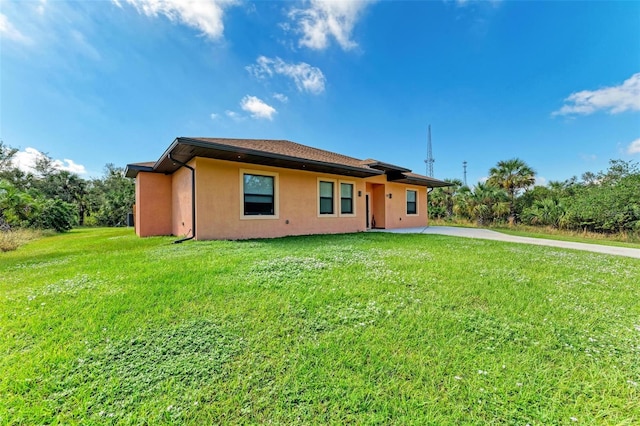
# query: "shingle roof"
[278,153]
[288,148]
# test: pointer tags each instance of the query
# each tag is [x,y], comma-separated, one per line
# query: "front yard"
[99,326]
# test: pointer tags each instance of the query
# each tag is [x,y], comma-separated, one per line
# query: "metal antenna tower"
[429,161]
[464,165]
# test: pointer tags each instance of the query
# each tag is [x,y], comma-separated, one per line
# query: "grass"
[11,240]
[101,327]
[619,240]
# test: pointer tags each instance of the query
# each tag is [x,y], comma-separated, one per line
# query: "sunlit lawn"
[622,239]
[99,326]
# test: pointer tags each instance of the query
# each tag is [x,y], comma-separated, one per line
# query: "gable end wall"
[153,204]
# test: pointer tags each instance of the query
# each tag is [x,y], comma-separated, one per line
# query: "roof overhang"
[387,168]
[418,180]
[185,149]
[132,170]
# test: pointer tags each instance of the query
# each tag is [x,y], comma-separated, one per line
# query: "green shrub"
[90,221]
[58,215]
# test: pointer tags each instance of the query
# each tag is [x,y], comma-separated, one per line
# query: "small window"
[412,205]
[346,198]
[326,197]
[259,195]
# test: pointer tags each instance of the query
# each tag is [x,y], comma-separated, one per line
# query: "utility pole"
[464,165]
[429,161]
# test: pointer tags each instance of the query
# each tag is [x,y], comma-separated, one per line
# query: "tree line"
[50,198]
[604,202]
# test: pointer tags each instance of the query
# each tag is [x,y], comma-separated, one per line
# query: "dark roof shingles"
[292,149]
[288,148]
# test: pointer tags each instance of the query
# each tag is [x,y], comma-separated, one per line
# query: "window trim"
[335,209]
[417,212]
[353,198]
[276,194]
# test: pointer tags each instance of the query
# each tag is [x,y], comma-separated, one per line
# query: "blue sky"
[556,84]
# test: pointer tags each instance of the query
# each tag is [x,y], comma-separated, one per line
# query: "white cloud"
[615,99]
[541,181]
[463,3]
[281,97]
[634,147]
[234,115]
[307,78]
[323,19]
[214,116]
[40,8]
[7,30]
[257,107]
[69,166]
[26,161]
[203,15]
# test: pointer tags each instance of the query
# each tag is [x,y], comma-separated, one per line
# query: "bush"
[90,221]
[58,215]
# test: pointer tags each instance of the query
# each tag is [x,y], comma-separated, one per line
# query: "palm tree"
[484,203]
[449,193]
[512,175]
[488,202]
[462,203]
[16,207]
[547,212]
[442,200]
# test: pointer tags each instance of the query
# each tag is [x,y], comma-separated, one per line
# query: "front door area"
[375,209]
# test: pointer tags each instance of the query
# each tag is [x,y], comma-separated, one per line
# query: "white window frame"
[276,195]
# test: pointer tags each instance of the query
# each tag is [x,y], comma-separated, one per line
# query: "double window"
[259,194]
[330,190]
[412,201]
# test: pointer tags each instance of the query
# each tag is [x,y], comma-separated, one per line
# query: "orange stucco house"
[207,188]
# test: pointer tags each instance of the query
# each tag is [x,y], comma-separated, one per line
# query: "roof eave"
[428,182]
[387,167]
[131,171]
[255,157]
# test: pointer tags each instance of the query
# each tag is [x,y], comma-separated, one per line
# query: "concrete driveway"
[486,234]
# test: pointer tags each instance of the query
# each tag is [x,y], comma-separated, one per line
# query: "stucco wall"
[153,204]
[181,202]
[392,212]
[379,202]
[220,208]
[396,216]
[163,203]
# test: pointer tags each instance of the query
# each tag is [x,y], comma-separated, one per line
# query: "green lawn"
[617,240]
[602,240]
[98,326]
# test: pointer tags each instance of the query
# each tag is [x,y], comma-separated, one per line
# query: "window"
[259,195]
[412,205]
[326,197]
[346,198]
